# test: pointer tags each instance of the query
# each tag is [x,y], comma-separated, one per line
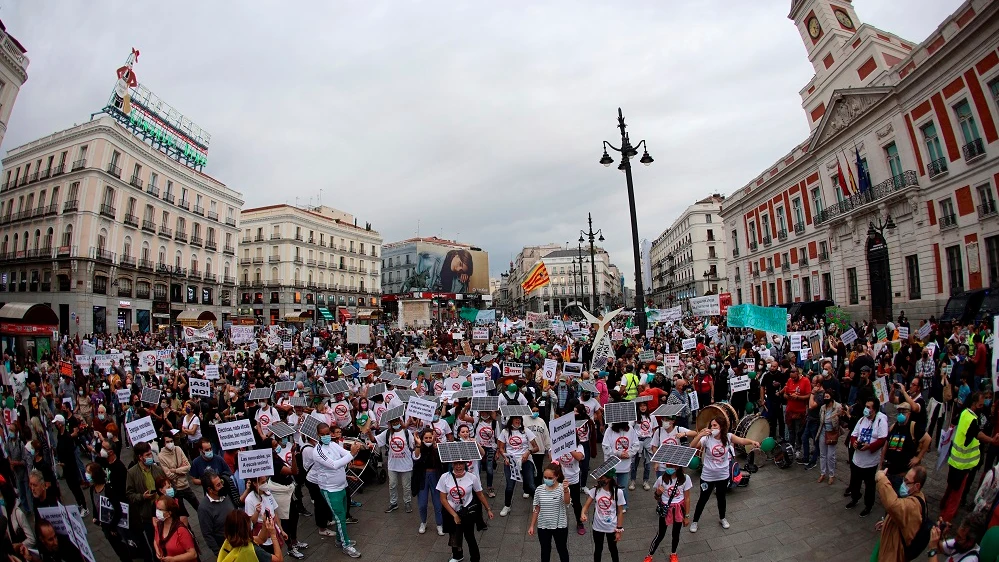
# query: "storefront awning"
[301,316]
[27,319]
[344,314]
[326,314]
[196,317]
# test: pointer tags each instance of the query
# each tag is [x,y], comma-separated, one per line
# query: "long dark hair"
[508,426]
[447,277]
[723,426]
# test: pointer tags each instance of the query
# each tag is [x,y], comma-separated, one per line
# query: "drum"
[711,412]
[753,427]
[783,454]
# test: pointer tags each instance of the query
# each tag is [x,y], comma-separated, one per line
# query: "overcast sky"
[480,121]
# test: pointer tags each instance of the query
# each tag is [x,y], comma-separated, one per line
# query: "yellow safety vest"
[961,457]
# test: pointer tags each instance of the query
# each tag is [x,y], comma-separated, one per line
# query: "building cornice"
[293,217]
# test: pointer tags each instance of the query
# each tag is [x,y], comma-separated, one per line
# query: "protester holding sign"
[516,443]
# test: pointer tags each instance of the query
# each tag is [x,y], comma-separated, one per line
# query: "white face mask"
[160,515]
[169,445]
[715,432]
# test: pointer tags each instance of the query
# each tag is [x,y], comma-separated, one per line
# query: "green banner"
[767,318]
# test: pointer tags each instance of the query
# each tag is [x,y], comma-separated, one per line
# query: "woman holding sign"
[515,444]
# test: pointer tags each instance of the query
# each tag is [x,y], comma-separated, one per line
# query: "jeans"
[646,458]
[809,447]
[489,464]
[428,493]
[527,473]
[828,465]
[622,482]
[561,538]
[407,486]
[795,427]
[719,487]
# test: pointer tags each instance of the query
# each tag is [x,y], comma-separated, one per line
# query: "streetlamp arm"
[614,148]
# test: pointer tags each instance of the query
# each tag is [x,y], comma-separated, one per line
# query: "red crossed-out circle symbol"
[670,441]
[566,458]
[718,451]
[485,433]
[265,420]
[604,503]
[389,396]
[457,492]
[646,425]
[340,410]
[516,441]
[622,443]
[583,432]
[397,444]
[438,387]
[438,432]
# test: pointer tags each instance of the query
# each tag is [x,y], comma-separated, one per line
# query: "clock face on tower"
[814,29]
[844,19]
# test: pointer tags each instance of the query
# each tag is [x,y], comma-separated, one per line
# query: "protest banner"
[480,334]
[646,355]
[740,383]
[200,387]
[618,335]
[241,334]
[771,319]
[421,409]
[795,338]
[550,367]
[106,512]
[903,333]
[256,463]
[924,331]
[849,337]
[141,430]
[705,306]
[147,361]
[124,395]
[536,321]
[649,334]
[204,333]
[671,360]
[211,372]
[688,344]
[712,331]
[479,386]
[513,369]
[56,516]
[563,435]
[235,434]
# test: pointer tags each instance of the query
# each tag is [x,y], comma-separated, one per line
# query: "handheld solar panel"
[611,462]
[466,393]
[488,358]
[485,403]
[348,370]
[464,373]
[490,385]
[438,368]
[280,429]
[674,399]
[458,451]
[388,377]
[669,410]
[405,394]
[150,395]
[674,455]
[402,383]
[309,425]
[464,359]
[587,386]
[260,393]
[365,373]
[392,414]
[616,412]
[300,401]
[640,399]
[514,410]
[376,389]
[337,387]
[284,386]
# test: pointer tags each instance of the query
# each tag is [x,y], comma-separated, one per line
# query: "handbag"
[832,436]
[663,509]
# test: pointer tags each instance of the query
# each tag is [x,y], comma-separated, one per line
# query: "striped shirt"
[552,503]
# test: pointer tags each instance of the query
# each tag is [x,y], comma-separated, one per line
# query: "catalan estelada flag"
[537,278]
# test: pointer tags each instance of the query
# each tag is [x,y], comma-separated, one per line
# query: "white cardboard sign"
[141,430]
[211,372]
[200,387]
[563,434]
[551,366]
[421,409]
[235,434]
[256,463]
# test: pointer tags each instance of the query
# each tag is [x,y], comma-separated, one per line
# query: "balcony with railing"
[987,209]
[166,231]
[186,205]
[258,259]
[799,228]
[145,264]
[770,270]
[310,261]
[135,181]
[973,150]
[948,222]
[273,259]
[52,209]
[876,193]
[66,251]
[352,269]
[148,226]
[735,252]
[132,220]
[785,266]
[127,261]
[212,215]
[209,277]
[782,235]
[107,210]
[321,263]
[197,241]
[298,259]
[753,246]
[57,170]
[168,197]
[937,167]
[100,254]
[211,245]
[71,206]
[79,164]
[275,236]
[114,170]
[228,280]
[258,238]
[298,237]
[244,261]
[199,210]
[164,269]
[803,262]
[823,257]
[24,180]
[180,235]
[229,249]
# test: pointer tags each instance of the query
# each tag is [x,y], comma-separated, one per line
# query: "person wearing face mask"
[265,416]
[107,518]
[331,460]
[207,459]
[772,381]
[140,493]
[672,493]
[622,440]
[905,510]
[669,432]
[174,541]
[965,454]
[176,465]
[867,439]
[399,443]
[905,447]
[963,546]
[548,518]
[704,384]
[281,486]
[66,454]
[190,425]
[539,426]
[427,470]
[515,444]
[717,452]
[797,392]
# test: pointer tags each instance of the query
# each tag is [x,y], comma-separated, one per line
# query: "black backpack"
[922,538]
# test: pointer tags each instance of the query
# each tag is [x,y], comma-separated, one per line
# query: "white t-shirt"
[459,491]
[662,436]
[517,443]
[669,485]
[266,502]
[605,515]
[616,443]
[715,456]
[193,423]
[644,427]
[583,432]
[400,449]
[484,434]
[341,411]
[866,432]
[570,466]
[265,417]
[592,407]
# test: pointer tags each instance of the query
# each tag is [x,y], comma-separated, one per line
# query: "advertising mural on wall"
[450,270]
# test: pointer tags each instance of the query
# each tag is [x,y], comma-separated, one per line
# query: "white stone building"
[570,283]
[688,258]
[13,75]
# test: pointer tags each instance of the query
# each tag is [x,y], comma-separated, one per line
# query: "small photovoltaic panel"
[416,370]
[284,386]
[405,394]
[309,425]
[280,429]
[466,393]
[391,414]
[588,386]
[150,395]
[674,455]
[485,403]
[438,368]
[674,399]
[488,358]
[376,389]
[604,468]
[302,401]
[615,412]
[458,451]
[388,377]
[260,393]
[365,373]
[464,373]
[348,370]
[640,399]
[337,387]
[464,359]
[490,385]
[669,410]
[402,383]
[514,410]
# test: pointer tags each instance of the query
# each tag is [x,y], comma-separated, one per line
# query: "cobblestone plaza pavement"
[781,515]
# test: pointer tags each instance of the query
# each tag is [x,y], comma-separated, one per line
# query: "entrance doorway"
[880,277]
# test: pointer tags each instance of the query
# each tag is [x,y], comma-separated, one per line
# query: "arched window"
[102,240]
[25,241]
[298,274]
[256,276]
[178,260]
[246,276]
[126,250]
[226,270]
[208,265]
[49,235]
[38,239]
[274,274]
[3,249]
[162,256]
[67,236]
[145,250]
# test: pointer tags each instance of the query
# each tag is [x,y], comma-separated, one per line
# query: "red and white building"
[922,121]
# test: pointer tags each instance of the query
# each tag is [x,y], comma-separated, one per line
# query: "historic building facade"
[688,258]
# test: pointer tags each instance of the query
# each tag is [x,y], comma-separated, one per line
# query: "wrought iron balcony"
[228,280]
[166,231]
[33,177]
[948,221]
[56,170]
[782,235]
[52,209]
[180,235]
[145,265]
[79,164]
[785,266]
[310,261]
[186,205]
[275,236]
[135,181]
[114,171]
[298,237]
[298,259]
[321,263]
[100,254]
[168,197]
[199,210]
[753,246]
[258,238]
[767,241]
[974,150]
[937,167]
[803,262]
[823,256]
[799,228]
[209,277]
[876,193]
[45,174]
[127,261]
[107,210]
[258,259]
[148,226]
[212,215]
[153,190]
[987,209]
[211,245]
[244,261]
[770,270]
[229,221]
[735,252]
[229,249]
[196,241]
[273,259]
[132,220]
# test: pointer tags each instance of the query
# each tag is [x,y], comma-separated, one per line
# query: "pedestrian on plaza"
[175,464]
[140,492]
[515,445]
[828,434]
[965,454]
[427,470]
[906,445]
[867,438]
[400,443]
[644,426]
[241,545]
[622,440]
[461,496]
[332,459]
[672,493]
[608,518]
[174,540]
[809,443]
[66,454]
[548,518]
[212,512]
[797,392]
[108,517]
[904,513]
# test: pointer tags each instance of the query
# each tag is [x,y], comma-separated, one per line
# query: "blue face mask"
[170,492]
[900,418]
[326,439]
[671,471]
[535,414]
[149,461]
[903,490]
[277,449]
[90,479]
[208,455]
[436,419]
[549,482]
[867,412]
[988,401]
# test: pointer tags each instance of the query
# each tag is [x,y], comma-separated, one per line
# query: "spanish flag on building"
[537,278]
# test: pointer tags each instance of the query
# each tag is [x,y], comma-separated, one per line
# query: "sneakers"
[724,523]
[648,558]
[440,531]
[300,544]
[351,520]
[392,507]
[631,485]
[810,466]
[852,504]
[326,532]
[294,553]
[646,486]
[423,528]
[491,493]
[355,504]
[505,511]
[84,513]
[693,527]
[526,495]
[674,558]
[351,551]
[409,508]
[580,529]
[305,512]
[866,511]
[455,560]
